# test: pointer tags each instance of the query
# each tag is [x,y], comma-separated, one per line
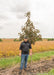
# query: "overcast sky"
[12,17]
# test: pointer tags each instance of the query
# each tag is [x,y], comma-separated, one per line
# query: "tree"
[30,31]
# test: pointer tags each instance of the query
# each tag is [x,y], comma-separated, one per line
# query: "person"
[25,50]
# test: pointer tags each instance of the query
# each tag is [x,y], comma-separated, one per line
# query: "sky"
[12,17]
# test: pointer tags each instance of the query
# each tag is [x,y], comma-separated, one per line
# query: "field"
[42,58]
[10,61]
[42,63]
[10,48]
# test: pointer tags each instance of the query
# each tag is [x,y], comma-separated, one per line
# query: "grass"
[38,56]
[11,61]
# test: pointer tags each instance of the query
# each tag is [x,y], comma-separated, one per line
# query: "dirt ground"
[41,66]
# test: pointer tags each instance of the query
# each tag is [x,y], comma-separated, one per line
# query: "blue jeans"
[24,58]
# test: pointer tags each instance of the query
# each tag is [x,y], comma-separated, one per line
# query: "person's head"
[25,38]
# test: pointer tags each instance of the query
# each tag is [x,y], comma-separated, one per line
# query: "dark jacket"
[25,46]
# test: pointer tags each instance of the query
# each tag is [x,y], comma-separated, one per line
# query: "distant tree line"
[50,39]
[16,40]
[0,40]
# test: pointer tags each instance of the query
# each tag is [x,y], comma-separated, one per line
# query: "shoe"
[20,72]
[25,69]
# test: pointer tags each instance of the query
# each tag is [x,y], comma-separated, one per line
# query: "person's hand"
[19,54]
[30,54]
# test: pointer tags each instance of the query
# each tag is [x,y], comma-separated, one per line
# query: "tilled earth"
[32,68]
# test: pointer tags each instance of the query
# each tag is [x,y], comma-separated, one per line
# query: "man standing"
[24,53]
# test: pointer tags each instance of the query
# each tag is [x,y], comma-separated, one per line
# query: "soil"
[41,66]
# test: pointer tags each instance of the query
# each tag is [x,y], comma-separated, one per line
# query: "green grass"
[11,61]
[38,56]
